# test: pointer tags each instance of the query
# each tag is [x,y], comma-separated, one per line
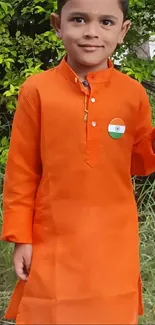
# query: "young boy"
[80,131]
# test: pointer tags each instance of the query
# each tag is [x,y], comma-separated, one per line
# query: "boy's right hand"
[22,257]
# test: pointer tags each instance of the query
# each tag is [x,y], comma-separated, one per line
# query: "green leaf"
[8,64]
[38,1]
[4,141]
[47,33]
[11,107]
[10,60]
[1,59]
[8,93]
[39,9]
[18,33]
[12,89]
[4,6]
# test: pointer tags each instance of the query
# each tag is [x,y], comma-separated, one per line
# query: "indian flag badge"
[116,128]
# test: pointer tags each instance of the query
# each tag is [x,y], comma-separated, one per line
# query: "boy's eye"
[78,20]
[107,22]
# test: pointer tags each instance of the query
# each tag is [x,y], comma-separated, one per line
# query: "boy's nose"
[91,31]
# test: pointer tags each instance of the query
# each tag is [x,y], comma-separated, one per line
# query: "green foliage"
[143,22]
[138,68]
[4,143]
[27,44]
[142,27]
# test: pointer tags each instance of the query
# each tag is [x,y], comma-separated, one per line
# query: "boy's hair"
[124,4]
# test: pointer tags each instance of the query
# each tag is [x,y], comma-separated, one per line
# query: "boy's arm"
[23,169]
[143,153]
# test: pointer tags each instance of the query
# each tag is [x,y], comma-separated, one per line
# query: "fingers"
[27,263]
[20,269]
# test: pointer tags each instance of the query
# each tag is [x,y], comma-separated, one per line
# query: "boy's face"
[90,30]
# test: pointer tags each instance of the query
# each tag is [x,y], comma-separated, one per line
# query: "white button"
[93,100]
[94,123]
[76,80]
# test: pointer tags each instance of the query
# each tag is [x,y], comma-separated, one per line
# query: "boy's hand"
[22,257]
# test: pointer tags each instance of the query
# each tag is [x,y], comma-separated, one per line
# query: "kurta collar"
[93,77]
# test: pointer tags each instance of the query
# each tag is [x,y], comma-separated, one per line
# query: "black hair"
[124,4]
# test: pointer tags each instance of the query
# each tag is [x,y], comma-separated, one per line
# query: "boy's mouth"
[90,47]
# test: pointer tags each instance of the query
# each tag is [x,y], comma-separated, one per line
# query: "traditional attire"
[68,191]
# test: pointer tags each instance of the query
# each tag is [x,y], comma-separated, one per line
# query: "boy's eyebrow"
[108,17]
[86,15]
[78,13]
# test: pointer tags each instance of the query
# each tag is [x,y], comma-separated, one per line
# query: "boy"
[79,132]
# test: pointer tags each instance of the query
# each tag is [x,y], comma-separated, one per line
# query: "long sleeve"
[23,169]
[143,156]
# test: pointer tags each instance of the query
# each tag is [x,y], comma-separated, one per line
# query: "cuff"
[17,228]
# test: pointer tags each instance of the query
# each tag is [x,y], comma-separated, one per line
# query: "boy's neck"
[82,70]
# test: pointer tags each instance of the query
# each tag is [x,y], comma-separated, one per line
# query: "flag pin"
[116,128]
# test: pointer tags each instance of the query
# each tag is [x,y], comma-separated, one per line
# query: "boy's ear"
[55,22]
[125,27]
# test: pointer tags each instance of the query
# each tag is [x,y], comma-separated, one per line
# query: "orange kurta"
[68,191]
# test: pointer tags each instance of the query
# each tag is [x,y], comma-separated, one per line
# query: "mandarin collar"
[93,77]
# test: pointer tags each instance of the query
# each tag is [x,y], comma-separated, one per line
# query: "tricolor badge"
[116,128]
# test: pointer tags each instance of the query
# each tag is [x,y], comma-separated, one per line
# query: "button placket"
[92,133]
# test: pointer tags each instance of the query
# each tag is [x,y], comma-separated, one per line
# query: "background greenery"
[28,45]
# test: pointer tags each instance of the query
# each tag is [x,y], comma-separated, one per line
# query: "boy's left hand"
[22,257]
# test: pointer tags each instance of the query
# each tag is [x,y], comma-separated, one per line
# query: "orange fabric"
[12,309]
[68,191]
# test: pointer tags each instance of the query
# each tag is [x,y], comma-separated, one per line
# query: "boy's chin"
[92,62]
